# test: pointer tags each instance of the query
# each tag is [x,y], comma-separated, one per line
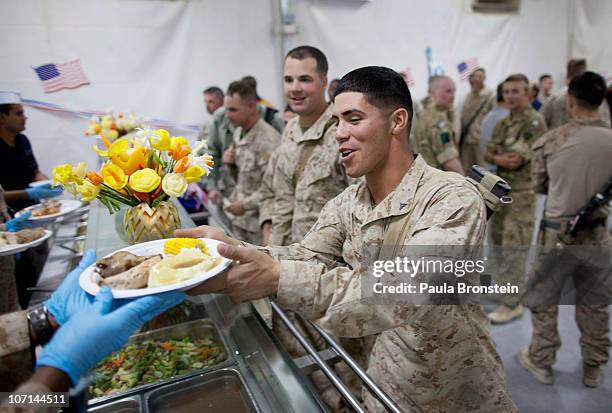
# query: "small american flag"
[63,75]
[467,67]
[408,77]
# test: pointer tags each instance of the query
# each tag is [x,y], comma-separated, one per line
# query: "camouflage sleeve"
[443,143]
[284,200]
[538,168]
[16,362]
[215,147]
[265,162]
[496,139]
[548,110]
[532,132]
[334,297]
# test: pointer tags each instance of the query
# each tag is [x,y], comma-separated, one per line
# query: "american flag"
[408,77]
[63,75]
[467,67]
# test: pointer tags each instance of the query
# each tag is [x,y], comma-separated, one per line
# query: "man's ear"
[399,121]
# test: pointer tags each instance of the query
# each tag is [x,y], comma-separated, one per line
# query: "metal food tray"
[225,382]
[192,329]
[127,405]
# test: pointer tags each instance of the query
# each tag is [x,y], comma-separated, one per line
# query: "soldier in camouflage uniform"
[8,287]
[512,226]
[213,100]
[254,142]
[435,136]
[571,164]
[426,358]
[555,110]
[477,104]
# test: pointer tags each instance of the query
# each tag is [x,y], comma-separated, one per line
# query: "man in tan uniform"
[571,164]
[247,158]
[308,173]
[512,226]
[426,358]
[555,110]
[477,104]
[434,135]
[545,84]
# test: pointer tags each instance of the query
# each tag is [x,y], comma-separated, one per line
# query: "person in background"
[77,331]
[545,84]
[252,83]
[435,137]
[490,121]
[534,92]
[477,104]
[331,89]
[213,100]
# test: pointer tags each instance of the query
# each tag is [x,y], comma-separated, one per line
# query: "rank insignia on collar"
[402,205]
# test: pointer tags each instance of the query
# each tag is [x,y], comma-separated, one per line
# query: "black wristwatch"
[39,321]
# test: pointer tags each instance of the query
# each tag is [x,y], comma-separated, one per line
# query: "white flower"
[174,184]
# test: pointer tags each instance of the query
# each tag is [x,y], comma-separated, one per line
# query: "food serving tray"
[193,330]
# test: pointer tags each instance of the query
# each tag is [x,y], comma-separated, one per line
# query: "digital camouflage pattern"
[435,137]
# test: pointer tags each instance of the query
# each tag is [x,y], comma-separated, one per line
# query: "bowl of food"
[155,267]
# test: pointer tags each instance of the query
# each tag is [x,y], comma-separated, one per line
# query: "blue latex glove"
[19,223]
[95,332]
[44,191]
[70,298]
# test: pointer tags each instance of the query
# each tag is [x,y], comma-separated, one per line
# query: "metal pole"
[342,389]
[381,395]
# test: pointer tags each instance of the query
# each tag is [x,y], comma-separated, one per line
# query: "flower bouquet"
[142,172]
[113,126]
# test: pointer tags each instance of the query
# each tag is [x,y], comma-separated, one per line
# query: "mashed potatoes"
[188,263]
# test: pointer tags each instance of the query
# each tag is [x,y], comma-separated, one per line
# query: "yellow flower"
[88,190]
[107,122]
[114,176]
[174,184]
[80,170]
[62,174]
[194,173]
[127,158]
[178,140]
[163,143]
[144,180]
[112,134]
[94,128]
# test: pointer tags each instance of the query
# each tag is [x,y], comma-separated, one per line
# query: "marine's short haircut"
[545,76]
[382,87]
[304,52]
[500,92]
[575,67]
[435,80]
[589,89]
[251,82]
[5,108]
[478,69]
[518,77]
[242,89]
[214,90]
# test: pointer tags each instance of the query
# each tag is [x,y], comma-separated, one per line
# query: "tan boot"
[542,374]
[503,314]
[591,375]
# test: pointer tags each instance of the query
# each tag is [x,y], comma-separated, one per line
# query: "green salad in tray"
[151,361]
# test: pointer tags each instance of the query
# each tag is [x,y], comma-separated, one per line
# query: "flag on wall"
[467,67]
[408,77]
[60,76]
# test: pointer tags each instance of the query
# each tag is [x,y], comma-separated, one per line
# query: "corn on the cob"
[174,245]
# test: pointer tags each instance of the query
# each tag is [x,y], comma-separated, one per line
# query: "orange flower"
[179,151]
[95,178]
[182,165]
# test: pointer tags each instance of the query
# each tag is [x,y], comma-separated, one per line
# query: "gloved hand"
[69,297]
[19,223]
[44,191]
[96,331]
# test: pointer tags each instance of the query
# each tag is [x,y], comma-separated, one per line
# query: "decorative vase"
[144,223]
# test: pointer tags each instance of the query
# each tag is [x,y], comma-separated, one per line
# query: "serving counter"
[256,376]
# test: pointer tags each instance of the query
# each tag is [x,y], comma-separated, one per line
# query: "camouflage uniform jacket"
[480,102]
[517,133]
[435,137]
[220,137]
[298,200]
[253,152]
[16,361]
[555,111]
[437,357]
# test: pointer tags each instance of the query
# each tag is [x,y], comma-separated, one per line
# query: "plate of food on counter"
[14,242]
[51,209]
[155,267]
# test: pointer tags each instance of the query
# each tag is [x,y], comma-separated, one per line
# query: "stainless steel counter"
[273,382]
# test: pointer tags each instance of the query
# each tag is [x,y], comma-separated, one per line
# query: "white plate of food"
[51,209]
[155,267]
[15,242]
[40,183]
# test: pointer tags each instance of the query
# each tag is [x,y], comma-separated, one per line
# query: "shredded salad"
[153,360]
